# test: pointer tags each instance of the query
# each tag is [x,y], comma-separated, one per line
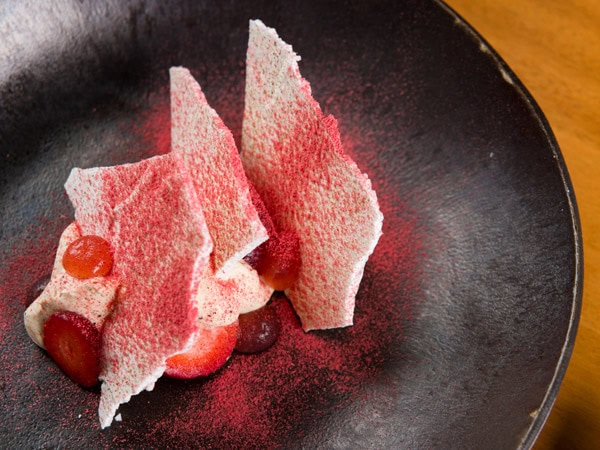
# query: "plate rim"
[541,415]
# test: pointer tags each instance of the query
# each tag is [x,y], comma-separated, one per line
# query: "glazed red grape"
[258,330]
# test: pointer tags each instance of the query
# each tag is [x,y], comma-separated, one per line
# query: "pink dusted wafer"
[293,155]
[95,192]
[161,247]
[210,154]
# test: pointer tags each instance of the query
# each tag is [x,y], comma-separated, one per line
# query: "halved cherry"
[89,256]
[210,352]
[73,342]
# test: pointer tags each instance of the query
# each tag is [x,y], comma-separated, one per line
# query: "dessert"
[293,155]
[180,253]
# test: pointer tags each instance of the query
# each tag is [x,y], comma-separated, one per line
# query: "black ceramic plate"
[467,312]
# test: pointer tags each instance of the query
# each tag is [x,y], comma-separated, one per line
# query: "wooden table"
[554,48]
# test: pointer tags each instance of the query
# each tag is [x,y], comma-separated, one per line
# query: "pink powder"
[154,126]
[151,127]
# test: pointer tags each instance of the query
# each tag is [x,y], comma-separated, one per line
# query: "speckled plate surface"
[467,313]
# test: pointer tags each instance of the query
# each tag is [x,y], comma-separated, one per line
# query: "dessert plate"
[468,309]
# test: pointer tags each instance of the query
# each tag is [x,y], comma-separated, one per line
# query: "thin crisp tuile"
[161,246]
[293,155]
[210,154]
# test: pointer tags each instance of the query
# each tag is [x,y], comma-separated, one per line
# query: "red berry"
[210,352]
[73,342]
[89,256]
[279,262]
[258,330]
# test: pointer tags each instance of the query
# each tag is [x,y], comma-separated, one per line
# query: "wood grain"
[554,48]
